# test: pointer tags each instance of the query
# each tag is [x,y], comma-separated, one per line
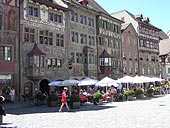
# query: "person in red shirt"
[64,99]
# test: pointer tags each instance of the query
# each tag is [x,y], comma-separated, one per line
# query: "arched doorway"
[44,87]
[28,89]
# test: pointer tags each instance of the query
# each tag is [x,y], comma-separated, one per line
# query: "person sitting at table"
[83,98]
[84,92]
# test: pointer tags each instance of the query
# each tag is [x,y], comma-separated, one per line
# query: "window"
[123,39]
[91,41]
[135,42]
[73,16]
[129,40]
[46,37]
[168,70]
[37,61]
[130,56]
[130,70]
[32,11]
[104,24]
[54,63]
[29,35]
[83,19]
[124,54]
[101,61]
[0,21]
[73,57]
[30,62]
[115,27]
[91,58]
[55,17]
[83,39]
[5,53]
[141,43]
[79,58]
[60,40]
[100,40]
[117,45]
[91,22]
[74,36]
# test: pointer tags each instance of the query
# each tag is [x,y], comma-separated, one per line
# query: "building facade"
[130,50]
[43,44]
[148,42]
[164,48]
[82,39]
[109,46]
[9,27]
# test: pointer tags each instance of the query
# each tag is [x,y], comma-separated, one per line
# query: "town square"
[146,113]
[84,63]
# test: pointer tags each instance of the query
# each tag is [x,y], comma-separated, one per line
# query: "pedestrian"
[2,111]
[12,94]
[64,99]
[113,93]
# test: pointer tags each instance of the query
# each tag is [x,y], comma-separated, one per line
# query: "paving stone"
[148,113]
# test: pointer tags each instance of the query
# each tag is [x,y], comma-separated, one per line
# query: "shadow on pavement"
[46,109]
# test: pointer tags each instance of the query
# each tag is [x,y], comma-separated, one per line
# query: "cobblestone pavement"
[148,113]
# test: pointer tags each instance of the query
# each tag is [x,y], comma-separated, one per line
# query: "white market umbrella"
[106,81]
[125,79]
[137,79]
[70,82]
[55,83]
[145,79]
[157,79]
[87,81]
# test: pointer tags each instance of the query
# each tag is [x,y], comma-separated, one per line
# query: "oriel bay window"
[35,62]
[39,61]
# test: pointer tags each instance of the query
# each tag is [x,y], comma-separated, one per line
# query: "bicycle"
[27,100]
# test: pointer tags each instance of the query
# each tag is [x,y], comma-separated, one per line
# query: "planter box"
[129,98]
[100,101]
[52,103]
[75,105]
[150,94]
[140,96]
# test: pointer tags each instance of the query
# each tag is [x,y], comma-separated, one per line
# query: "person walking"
[64,100]
[2,111]
[12,94]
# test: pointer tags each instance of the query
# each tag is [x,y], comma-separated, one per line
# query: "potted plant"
[52,100]
[139,93]
[157,91]
[39,98]
[150,92]
[97,98]
[129,94]
[74,101]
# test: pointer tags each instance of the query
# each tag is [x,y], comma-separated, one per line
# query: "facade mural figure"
[11,20]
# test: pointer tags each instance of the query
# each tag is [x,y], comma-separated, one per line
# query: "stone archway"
[44,87]
[28,88]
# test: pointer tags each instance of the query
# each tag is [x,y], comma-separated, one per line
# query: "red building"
[9,26]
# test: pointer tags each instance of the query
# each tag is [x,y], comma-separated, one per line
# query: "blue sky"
[157,10]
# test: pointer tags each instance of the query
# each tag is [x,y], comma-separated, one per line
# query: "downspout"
[19,50]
